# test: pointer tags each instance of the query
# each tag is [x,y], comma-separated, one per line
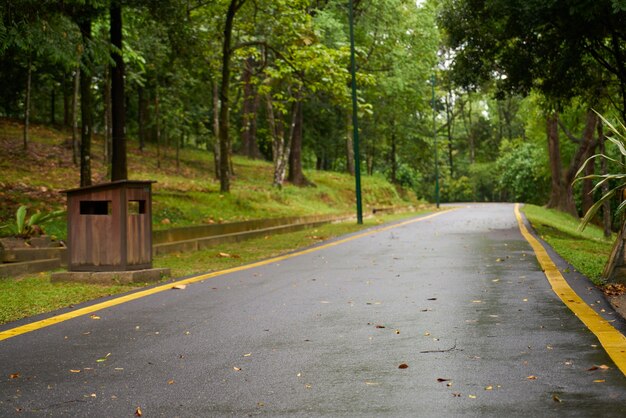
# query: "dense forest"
[498,99]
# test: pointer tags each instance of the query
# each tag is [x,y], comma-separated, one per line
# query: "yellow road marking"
[13,332]
[612,340]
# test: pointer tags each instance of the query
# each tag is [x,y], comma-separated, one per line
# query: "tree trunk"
[157,124]
[563,199]
[66,102]
[449,133]
[216,129]
[52,105]
[224,97]
[75,142]
[29,78]
[392,157]
[248,137]
[118,158]
[554,155]
[587,184]
[179,140]
[141,117]
[296,176]
[349,145]
[280,146]
[108,121]
[86,111]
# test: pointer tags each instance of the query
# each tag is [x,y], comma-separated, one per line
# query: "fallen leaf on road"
[237,369]
[556,399]
[489,387]
[14,375]
[170,382]
[179,287]
[426,334]
[532,377]
[138,412]
[403,366]
[94,316]
[471,396]
[308,386]
[101,359]
[247,354]
[74,370]
[599,381]
[601,367]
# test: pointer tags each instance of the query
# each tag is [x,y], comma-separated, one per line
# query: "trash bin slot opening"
[136,207]
[95,207]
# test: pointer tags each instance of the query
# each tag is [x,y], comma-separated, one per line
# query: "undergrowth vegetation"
[186,191]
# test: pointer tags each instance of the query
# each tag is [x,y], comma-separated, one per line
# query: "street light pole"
[435,141]
[355,126]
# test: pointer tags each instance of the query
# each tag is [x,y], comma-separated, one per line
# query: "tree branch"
[568,133]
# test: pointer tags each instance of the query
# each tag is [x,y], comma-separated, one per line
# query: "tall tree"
[86,103]
[118,113]
[224,113]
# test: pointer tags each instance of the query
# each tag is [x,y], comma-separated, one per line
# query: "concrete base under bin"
[112,277]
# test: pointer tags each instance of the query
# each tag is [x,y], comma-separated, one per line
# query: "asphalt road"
[458,298]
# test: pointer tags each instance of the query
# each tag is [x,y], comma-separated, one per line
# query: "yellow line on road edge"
[13,332]
[612,340]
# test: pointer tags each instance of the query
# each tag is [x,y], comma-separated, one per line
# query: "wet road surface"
[458,298]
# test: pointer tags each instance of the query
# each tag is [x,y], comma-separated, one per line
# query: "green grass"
[588,251]
[182,196]
[34,294]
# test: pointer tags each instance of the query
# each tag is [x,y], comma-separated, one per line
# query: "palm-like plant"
[617,179]
[27,227]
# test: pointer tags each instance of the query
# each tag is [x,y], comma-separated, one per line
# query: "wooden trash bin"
[110,226]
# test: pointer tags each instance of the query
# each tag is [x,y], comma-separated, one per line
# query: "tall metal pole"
[435,141]
[355,125]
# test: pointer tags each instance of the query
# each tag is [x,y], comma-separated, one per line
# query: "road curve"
[459,299]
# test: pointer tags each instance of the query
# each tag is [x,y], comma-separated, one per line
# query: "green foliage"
[587,251]
[520,170]
[484,182]
[409,178]
[616,179]
[456,189]
[27,227]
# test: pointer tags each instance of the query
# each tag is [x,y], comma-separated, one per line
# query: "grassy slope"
[185,196]
[587,251]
